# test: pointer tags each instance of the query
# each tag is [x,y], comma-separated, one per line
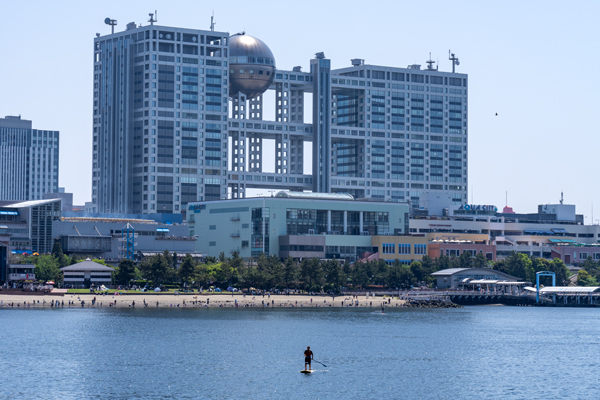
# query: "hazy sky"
[532,62]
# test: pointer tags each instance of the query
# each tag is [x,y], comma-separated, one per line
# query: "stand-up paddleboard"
[307,371]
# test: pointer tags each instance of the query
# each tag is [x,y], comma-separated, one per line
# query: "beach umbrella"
[50,283]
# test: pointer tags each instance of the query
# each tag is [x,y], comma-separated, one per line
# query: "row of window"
[403,248]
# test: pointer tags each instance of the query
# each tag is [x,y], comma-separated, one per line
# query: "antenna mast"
[561,197]
[454,60]
[153,17]
[112,23]
[212,21]
[430,63]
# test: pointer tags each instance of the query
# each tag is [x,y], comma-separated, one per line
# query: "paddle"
[320,363]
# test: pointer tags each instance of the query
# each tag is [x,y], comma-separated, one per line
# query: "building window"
[212,227]
[403,248]
[388,248]
[212,244]
[420,249]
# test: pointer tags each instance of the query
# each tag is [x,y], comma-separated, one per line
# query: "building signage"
[477,207]
[197,207]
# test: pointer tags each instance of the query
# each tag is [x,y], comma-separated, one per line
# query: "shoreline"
[195,301]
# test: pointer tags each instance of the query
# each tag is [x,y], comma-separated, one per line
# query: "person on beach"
[308,356]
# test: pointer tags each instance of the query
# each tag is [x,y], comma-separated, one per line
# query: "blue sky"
[532,62]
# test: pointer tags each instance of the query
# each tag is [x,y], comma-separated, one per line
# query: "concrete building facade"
[294,223]
[28,160]
[103,237]
[179,118]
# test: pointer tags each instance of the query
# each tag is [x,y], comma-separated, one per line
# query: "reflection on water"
[470,353]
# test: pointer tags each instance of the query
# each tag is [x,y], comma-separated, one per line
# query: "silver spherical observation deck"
[251,66]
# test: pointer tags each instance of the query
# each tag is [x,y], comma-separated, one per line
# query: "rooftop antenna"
[153,17]
[212,21]
[430,63]
[112,23]
[561,197]
[507,198]
[454,60]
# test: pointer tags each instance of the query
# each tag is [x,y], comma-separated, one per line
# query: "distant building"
[295,224]
[28,160]
[21,273]
[103,237]
[67,199]
[405,249]
[29,224]
[534,234]
[452,278]
[87,273]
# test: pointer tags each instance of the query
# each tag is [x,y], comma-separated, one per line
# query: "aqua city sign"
[477,207]
[197,207]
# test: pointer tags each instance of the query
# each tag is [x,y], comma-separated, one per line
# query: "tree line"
[269,272]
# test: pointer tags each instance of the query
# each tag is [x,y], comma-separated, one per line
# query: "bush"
[142,283]
[171,286]
[328,287]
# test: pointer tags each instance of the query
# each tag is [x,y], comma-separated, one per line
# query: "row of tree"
[313,274]
[267,272]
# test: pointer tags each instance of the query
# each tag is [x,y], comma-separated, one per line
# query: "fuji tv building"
[179,118]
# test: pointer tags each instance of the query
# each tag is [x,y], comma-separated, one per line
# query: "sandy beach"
[193,300]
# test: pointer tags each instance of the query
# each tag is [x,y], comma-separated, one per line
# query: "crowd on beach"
[264,300]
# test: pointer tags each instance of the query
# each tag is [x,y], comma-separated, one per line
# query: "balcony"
[235,235]
[235,218]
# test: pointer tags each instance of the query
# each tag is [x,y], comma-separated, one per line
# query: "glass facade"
[260,231]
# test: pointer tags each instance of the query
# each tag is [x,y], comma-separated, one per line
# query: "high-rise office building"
[160,119]
[28,160]
[178,117]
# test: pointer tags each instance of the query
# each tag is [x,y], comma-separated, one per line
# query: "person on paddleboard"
[308,356]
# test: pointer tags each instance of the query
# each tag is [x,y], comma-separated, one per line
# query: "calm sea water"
[470,353]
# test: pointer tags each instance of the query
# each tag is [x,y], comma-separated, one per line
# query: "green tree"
[125,272]
[47,268]
[334,274]
[417,270]
[520,265]
[290,271]
[236,268]
[58,254]
[560,269]
[589,265]
[312,272]
[276,270]
[480,261]
[200,275]
[406,276]
[359,275]
[466,260]
[428,264]
[443,262]
[155,269]
[186,269]
[585,279]
[395,275]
